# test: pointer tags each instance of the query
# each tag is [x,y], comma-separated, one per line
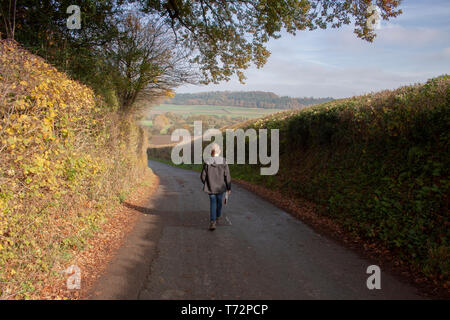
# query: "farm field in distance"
[192,110]
[163,119]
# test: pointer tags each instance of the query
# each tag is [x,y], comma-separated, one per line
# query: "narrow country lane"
[257,252]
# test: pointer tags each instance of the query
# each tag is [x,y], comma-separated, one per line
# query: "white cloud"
[446,53]
[395,34]
[432,11]
[408,49]
[317,80]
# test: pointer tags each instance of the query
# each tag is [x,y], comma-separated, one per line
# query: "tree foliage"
[160,121]
[144,62]
[229,35]
[222,37]
[41,27]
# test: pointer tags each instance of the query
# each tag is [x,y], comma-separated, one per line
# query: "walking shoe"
[212,225]
[217,220]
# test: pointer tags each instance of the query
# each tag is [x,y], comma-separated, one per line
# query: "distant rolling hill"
[248,99]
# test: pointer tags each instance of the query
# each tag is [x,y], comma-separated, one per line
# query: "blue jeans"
[216,206]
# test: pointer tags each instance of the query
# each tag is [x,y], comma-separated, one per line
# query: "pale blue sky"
[411,48]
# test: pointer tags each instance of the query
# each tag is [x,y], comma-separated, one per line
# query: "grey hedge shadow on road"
[143,210]
[199,223]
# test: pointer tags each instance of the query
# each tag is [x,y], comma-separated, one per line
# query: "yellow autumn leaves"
[58,150]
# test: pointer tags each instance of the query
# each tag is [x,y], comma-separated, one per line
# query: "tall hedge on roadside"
[65,157]
[379,164]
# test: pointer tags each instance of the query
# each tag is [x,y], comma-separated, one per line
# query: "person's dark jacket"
[215,176]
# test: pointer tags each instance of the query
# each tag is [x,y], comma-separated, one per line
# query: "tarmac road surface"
[257,252]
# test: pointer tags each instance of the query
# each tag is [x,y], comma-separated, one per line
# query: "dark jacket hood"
[215,161]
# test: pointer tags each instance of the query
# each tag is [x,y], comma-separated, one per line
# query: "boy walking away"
[216,180]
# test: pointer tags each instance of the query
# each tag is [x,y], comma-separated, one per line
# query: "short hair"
[215,149]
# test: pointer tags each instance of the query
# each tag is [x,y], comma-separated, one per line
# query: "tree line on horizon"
[248,99]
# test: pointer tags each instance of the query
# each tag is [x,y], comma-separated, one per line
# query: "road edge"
[103,246]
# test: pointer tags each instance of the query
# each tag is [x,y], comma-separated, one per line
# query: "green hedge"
[379,165]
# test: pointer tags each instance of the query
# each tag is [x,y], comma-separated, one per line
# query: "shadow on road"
[143,210]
